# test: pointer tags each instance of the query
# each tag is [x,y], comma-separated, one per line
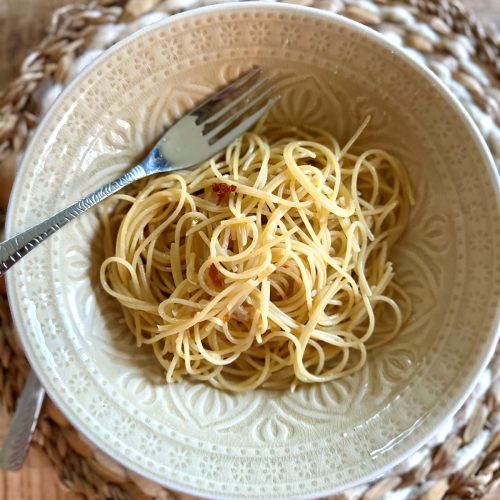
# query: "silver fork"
[200,134]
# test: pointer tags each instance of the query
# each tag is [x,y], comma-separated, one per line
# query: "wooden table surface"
[38,480]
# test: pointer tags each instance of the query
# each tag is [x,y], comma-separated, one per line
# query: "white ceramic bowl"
[322,438]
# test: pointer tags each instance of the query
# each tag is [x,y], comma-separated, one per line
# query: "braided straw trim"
[71,28]
[434,472]
[461,20]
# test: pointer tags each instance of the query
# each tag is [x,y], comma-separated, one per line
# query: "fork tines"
[236,107]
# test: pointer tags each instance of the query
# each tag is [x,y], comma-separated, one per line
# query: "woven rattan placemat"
[463,460]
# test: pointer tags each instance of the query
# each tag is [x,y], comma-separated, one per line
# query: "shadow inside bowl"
[117,338]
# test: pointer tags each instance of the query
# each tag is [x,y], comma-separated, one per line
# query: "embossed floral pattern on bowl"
[330,72]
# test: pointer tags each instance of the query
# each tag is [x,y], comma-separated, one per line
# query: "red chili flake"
[222,190]
[215,276]
[226,318]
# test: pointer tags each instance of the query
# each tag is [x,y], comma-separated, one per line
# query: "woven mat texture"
[463,460]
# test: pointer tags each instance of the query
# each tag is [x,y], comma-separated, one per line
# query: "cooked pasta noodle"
[266,266]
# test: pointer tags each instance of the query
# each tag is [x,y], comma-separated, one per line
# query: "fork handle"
[18,439]
[15,248]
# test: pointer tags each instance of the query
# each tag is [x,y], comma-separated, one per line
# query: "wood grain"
[27,21]
[38,480]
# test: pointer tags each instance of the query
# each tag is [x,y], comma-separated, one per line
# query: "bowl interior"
[330,73]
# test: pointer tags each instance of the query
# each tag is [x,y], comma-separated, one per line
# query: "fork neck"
[155,162]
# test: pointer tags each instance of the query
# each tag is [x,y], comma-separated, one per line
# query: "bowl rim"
[361,29]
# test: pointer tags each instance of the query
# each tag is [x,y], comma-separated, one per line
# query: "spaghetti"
[266,266]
